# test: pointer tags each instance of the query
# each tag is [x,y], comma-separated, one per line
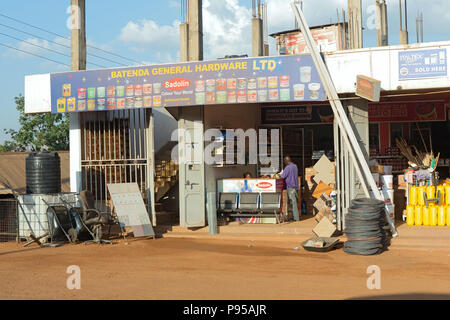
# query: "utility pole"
[77,62]
[382,23]
[355,23]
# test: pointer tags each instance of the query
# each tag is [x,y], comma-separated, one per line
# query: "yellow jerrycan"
[442,194]
[420,196]
[418,216]
[447,195]
[431,192]
[448,216]
[433,210]
[413,195]
[410,215]
[441,216]
[426,216]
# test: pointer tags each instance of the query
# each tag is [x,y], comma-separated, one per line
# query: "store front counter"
[256,185]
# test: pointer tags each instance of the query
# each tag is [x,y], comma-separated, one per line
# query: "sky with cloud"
[147,32]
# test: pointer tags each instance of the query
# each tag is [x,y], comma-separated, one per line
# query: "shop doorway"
[117,147]
[306,144]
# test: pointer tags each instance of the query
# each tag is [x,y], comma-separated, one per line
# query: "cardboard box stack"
[320,182]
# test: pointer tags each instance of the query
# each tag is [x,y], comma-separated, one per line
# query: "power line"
[33,54]
[59,44]
[48,49]
[56,34]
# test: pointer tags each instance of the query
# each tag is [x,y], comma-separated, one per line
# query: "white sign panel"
[130,208]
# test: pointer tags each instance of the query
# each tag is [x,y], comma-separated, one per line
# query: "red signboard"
[264,185]
[368,88]
[407,111]
[177,84]
[327,38]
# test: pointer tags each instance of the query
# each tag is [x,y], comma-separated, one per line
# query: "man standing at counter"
[290,176]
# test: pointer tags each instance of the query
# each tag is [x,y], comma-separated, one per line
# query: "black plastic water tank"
[43,172]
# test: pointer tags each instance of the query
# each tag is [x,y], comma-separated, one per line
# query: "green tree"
[38,132]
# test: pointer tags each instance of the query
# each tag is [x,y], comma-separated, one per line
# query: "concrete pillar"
[75,152]
[266,49]
[184,42]
[78,35]
[403,35]
[358,113]
[355,23]
[382,24]
[77,62]
[257,37]
[195,43]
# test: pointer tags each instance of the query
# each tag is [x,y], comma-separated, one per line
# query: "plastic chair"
[93,218]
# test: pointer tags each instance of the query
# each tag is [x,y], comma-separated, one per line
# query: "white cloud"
[32,47]
[146,33]
[227,25]
[226,28]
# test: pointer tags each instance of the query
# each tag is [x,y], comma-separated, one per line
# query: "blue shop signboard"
[230,81]
[420,64]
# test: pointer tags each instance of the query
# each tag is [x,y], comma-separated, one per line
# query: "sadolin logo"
[176,84]
[264,185]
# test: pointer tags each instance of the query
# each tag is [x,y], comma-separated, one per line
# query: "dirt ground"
[186,268]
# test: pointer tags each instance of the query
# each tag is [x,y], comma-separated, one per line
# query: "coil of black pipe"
[364,227]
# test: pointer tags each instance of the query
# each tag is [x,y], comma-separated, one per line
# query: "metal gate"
[117,147]
[8,220]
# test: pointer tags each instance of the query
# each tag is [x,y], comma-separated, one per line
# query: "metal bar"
[84,181]
[114,133]
[125,146]
[401,14]
[135,129]
[346,189]
[337,173]
[406,17]
[150,168]
[90,154]
[354,148]
[119,142]
[336,105]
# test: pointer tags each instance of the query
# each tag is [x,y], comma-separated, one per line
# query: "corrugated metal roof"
[12,167]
